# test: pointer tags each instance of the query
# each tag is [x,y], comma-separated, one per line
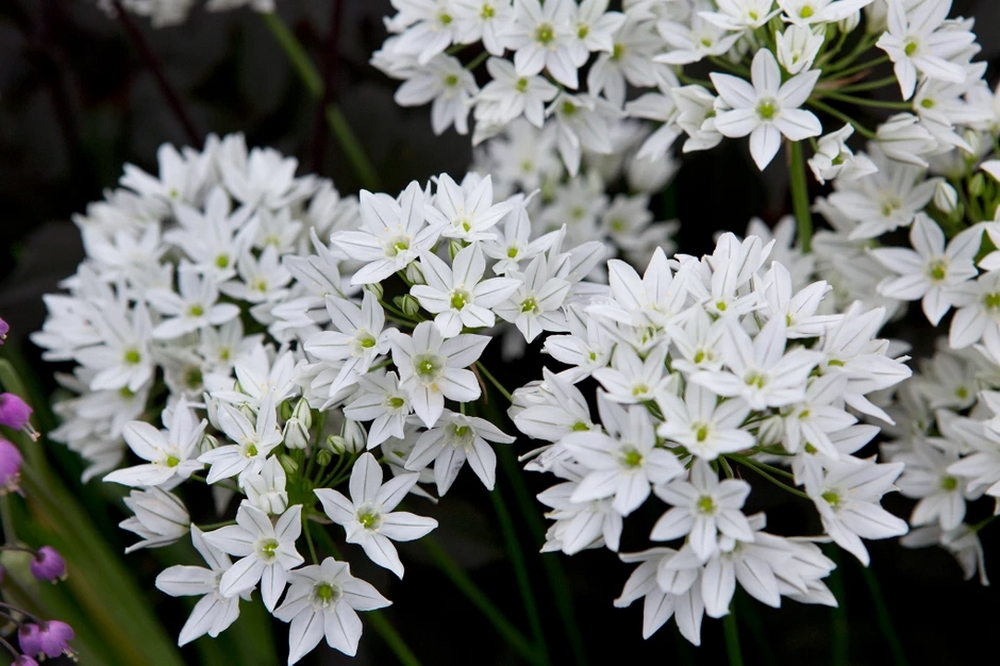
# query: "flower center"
[545,33]
[132,356]
[949,483]
[767,109]
[326,594]
[451,80]
[196,310]
[529,305]
[266,549]
[706,505]
[521,85]
[806,12]
[428,367]
[459,298]
[395,402]
[832,498]
[910,48]
[938,269]
[370,520]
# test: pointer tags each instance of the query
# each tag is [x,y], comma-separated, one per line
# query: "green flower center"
[451,80]
[459,298]
[949,483]
[428,367]
[487,12]
[545,33]
[580,426]
[222,261]
[132,357]
[938,270]
[367,340]
[173,461]
[521,85]
[370,520]
[395,402]
[196,310]
[755,379]
[529,305]
[831,498]
[701,433]
[766,109]
[326,593]
[806,12]
[267,548]
[632,458]
[910,48]
[706,504]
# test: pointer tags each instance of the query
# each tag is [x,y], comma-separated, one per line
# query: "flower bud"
[375,288]
[24,660]
[977,185]
[324,457]
[285,410]
[414,274]
[975,141]
[4,328]
[355,435]
[336,444]
[10,466]
[454,247]
[48,565]
[295,434]
[303,413]
[246,411]
[51,640]
[288,463]
[208,442]
[408,304]
[14,412]
[849,22]
[945,198]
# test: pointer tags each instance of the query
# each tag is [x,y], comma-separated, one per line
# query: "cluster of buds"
[37,638]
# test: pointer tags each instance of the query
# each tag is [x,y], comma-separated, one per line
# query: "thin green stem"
[477,61]
[839,630]
[493,380]
[884,619]
[867,85]
[732,638]
[755,466]
[729,66]
[858,68]
[863,101]
[9,533]
[313,82]
[393,639]
[478,598]
[516,555]
[840,115]
[800,194]
[309,541]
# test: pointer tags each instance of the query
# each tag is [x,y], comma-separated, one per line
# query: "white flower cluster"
[167,13]
[208,301]
[708,368]
[573,65]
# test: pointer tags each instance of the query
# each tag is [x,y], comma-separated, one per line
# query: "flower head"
[48,565]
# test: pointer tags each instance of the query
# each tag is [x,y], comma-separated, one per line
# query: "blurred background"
[78,99]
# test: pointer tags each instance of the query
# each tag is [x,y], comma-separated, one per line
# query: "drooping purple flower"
[48,564]
[4,328]
[10,466]
[50,638]
[24,660]
[14,412]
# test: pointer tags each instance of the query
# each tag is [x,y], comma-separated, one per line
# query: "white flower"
[267,551]
[540,39]
[382,401]
[252,442]
[833,158]
[368,517]
[766,110]
[455,439]
[847,498]
[535,305]
[702,509]
[213,613]
[917,40]
[171,457]
[266,490]
[432,368]
[457,294]
[446,82]
[322,601]
[704,425]
[929,271]
[160,518]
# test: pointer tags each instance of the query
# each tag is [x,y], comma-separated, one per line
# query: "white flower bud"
[945,198]
[849,23]
[375,288]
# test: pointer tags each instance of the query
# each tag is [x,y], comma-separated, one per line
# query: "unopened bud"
[945,198]
[336,444]
[850,22]
[285,410]
[303,413]
[288,463]
[295,434]
[454,247]
[324,457]
[355,435]
[208,442]
[375,288]
[48,565]
[975,141]
[977,185]
[247,412]
[414,274]
[408,304]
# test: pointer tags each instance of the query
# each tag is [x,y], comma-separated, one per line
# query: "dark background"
[77,101]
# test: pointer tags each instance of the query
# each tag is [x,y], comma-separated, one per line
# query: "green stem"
[863,101]
[309,540]
[516,554]
[732,638]
[839,630]
[755,466]
[841,73]
[478,60]
[800,194]
[478,598]
[840,115]
[867,85]
[313,82]
[393,639]
[730,67]
[493,380]
[884,620]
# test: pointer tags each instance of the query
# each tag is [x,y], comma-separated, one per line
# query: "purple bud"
[24,660]
[10,466]
[51,639]
[14,412]
[48,564]
[4,327]
[29,638]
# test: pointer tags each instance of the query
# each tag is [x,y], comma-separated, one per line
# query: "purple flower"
[24,660]
[4,327]
[48,564]
[50,638]
[10,466]
[14,412]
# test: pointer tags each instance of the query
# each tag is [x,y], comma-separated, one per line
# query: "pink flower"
[10,466]
[49,638]
[14,412]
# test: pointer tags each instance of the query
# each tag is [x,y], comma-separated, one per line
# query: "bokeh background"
[77,101]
